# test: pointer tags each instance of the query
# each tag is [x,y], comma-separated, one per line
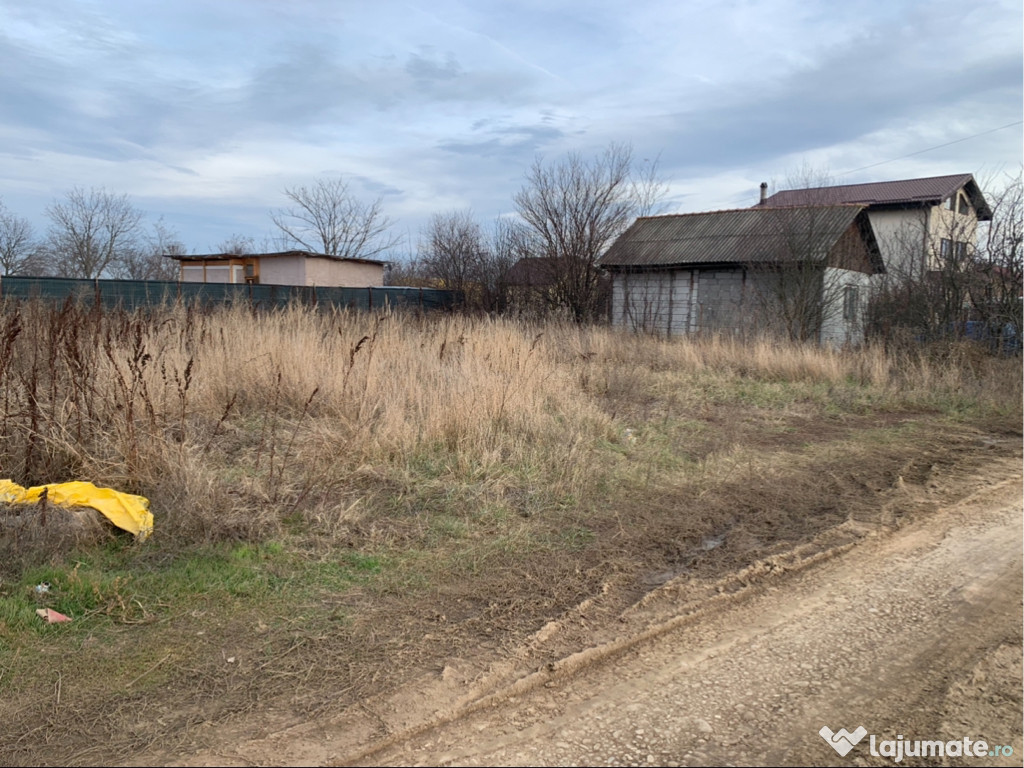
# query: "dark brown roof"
[906,192]
[745,236]
[226,256]
[533,271]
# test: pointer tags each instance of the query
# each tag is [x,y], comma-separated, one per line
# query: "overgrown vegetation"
[340,497]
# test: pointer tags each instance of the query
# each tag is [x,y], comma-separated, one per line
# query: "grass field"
[341,500]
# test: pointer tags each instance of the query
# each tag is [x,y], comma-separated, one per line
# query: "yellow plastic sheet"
[126,511]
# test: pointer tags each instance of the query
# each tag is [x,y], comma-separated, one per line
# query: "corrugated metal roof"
[745,236]
[932,190]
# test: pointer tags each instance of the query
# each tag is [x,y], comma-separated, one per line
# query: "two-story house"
[917,222]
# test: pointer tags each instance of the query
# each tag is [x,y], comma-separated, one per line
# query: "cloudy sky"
[203,111]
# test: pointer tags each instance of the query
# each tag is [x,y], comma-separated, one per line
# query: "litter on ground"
[51,616]
[125,510]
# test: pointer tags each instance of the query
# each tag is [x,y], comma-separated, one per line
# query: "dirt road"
[904,627]
[916,633]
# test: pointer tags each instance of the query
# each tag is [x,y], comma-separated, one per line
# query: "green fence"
[142,293]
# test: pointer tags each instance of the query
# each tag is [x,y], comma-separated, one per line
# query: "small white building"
[285,268]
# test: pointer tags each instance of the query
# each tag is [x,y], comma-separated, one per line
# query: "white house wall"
[901,239]
[957,227]
[836,328]
[909,239]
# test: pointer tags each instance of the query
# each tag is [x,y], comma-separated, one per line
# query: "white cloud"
[212,108]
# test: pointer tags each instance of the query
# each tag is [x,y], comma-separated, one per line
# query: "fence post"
[369,294]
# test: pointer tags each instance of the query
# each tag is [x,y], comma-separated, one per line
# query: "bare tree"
[816,286]
[91,231]
[237,245]
[19,252]
[998,285]
[506,247]
[453,250]
[574,209]
[328,218]
[799,291]
[461,256]
[964,279]
[148,261]
[408,272]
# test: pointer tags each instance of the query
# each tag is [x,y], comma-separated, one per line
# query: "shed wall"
[680,301]
[283,270]
[351,274]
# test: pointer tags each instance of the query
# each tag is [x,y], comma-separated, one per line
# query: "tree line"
[564,216]
[542,258]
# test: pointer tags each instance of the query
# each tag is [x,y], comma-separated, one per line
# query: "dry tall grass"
[235,421]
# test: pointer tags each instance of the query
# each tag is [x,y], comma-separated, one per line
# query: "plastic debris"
[42,589]
[125,510]
[52,616]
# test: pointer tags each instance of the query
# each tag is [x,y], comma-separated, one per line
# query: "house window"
[851,303]
[962,205]
[946,248]
[961,250]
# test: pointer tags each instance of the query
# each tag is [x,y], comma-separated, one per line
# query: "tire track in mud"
[702,673]
[890,636]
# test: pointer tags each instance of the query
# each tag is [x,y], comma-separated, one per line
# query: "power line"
[743,196]
[929,149]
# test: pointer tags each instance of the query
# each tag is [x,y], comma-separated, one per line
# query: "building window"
[962,205]
[851,303]
[961,251]
[252,276]
[946,248]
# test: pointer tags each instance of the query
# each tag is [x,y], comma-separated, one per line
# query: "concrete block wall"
[719,304]
[679,301]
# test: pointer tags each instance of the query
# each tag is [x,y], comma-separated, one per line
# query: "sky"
[204,111]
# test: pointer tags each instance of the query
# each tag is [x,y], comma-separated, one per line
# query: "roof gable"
[746,236]
[905,192]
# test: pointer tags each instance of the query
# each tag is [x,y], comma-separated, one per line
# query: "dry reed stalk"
[212,412]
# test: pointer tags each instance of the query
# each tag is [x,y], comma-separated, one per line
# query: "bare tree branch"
[91,231]
[19,253]
[456,252]
[328,218]
[574,209]
[148,260]
[963,278]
